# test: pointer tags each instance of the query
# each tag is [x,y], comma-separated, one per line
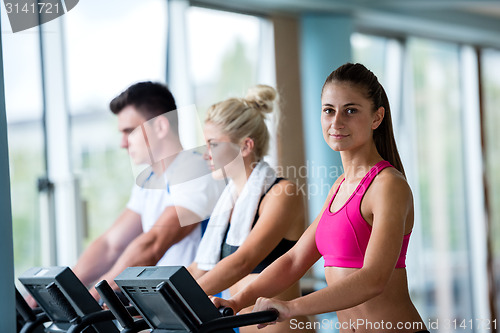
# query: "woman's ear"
[247,147]
[378,117]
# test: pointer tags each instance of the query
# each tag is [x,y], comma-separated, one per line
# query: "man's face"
[129,124]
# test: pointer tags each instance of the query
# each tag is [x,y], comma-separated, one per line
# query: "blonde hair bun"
[245,117]
[261,97]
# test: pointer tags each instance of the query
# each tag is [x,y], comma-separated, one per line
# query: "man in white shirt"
[160,223]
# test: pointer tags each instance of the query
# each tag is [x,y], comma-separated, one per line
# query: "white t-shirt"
[186,183]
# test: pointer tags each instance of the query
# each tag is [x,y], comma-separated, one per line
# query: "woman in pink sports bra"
[365,224]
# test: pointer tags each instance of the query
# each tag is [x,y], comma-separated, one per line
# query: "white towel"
[244,210]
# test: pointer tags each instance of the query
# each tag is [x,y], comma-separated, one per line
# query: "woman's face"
[222,154]
[347,117]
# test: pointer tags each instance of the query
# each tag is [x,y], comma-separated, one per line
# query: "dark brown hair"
[150,99]
[367,82]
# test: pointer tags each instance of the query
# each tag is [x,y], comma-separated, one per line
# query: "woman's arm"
[280,209]
[285,271]
[195,271]
[282,273]
[393,204]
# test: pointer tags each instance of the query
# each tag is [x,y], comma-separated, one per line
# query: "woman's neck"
[241,178]
[357,164]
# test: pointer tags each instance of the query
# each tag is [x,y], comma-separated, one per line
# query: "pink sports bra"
[342,237]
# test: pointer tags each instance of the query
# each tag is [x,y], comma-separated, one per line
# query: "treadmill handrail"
[89,319]
[23,308]
[31,326]
[114,304]
[239,320]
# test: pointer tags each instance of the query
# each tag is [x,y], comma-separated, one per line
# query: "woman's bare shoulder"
[391,182]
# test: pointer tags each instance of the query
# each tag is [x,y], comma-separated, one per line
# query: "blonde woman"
[259,217]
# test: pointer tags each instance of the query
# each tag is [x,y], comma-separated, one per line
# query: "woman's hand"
[228,303]
[264,304]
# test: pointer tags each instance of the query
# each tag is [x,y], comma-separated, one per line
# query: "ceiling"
[467,21]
